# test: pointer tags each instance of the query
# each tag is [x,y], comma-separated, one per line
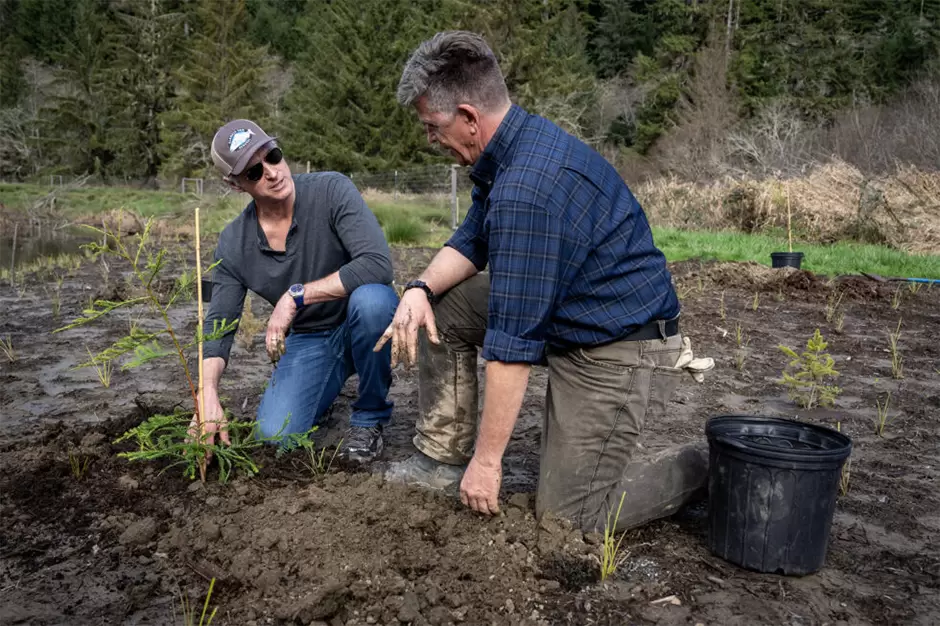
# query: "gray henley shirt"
[332,230]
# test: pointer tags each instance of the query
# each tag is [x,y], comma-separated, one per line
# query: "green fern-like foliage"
[162,436]
[167,438]
[808,375]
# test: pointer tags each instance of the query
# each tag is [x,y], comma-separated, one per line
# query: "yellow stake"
[200,410]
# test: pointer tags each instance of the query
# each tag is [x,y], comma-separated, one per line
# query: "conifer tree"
[220,80]
[147,46]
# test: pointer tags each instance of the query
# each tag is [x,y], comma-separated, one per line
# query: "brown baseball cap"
[235,143]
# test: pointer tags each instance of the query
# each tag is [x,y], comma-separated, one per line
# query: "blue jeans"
[315,366]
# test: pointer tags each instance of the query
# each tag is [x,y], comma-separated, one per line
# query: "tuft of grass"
[189,611]
[846,474]
[896,299]
[882,415]
[413,221]
[56,298]
[6,345]
[840,321]
[833,302]
[248,326]
[78,465]
[743,341]
[102,368]
[317,460]
[755,303]
[611,558]
[897,361]
[914,287]
[403,230]
[721,306]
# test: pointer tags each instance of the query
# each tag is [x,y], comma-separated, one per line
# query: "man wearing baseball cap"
[310,246]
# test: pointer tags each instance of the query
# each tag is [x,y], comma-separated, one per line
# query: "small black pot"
[206,289]
[786,259]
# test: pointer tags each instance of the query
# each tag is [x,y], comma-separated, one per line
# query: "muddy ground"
[123,544]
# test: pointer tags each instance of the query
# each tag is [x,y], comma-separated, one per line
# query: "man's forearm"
[505,388]
[324,289]
[212,369]
[447,269]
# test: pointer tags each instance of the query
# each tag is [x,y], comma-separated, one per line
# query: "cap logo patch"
[239,139]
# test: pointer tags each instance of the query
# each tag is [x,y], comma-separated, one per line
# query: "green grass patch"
[412,223]
[91,200]
[172,206]
[404,231]
[831,259]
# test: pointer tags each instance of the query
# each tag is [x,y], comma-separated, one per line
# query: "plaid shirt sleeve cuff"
[502,347]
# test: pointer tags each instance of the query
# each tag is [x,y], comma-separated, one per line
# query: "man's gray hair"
[452,68]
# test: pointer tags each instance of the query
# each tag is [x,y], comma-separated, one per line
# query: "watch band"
[297,293]
[420,284]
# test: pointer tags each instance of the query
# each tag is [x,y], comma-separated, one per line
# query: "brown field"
[121,544]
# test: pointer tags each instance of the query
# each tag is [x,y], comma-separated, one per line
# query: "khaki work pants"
[597,403]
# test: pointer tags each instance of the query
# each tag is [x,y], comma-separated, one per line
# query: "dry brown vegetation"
[834,201]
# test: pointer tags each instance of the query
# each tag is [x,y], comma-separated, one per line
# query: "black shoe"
[362,445]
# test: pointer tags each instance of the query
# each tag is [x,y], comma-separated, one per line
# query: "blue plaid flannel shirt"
[570,253]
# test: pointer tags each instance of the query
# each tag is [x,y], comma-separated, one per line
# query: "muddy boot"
[422,471]
[446,428]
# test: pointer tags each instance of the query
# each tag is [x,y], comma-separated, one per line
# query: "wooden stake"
[789,231]
[16,227]
[200,410]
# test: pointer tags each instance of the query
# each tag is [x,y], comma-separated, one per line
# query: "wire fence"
[443,184]
[447,182]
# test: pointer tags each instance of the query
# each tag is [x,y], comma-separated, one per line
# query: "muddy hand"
[414,312]
[277,349]
[215,423]
[278,327]
[479,487]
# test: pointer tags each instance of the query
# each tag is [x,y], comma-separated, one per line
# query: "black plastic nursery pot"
[206,289]
[772,490]
[786,259]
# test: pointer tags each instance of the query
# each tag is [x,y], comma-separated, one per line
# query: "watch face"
[296,290]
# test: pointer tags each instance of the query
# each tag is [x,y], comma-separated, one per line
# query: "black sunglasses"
[256,171]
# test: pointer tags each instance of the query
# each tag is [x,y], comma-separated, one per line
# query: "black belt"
[657,329]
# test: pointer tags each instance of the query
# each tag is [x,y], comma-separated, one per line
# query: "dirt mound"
[350,545]
[285,545]
[749,276]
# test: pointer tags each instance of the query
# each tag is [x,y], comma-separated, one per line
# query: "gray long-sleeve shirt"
[332,230]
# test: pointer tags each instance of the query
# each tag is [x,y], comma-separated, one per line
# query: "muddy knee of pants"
[656,486]
[446,428]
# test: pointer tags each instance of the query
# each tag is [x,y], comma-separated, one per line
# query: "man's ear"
[470,115]
[231,182]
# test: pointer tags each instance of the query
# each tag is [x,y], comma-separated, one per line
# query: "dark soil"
[125,542]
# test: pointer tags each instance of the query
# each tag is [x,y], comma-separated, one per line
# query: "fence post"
[453,197]
[16,227]
[395,189]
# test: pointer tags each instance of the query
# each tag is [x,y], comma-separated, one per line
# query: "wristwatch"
[297,293]
[420,284]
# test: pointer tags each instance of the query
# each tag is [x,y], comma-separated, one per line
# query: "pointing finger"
[384,338]
[431,327]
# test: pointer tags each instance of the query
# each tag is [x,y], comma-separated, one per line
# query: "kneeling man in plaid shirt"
[574,282]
